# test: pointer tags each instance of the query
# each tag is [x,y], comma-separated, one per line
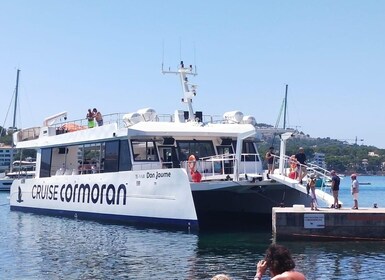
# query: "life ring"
[192,163]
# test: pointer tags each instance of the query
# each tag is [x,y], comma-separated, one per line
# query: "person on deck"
[301,158]
[98,117]
[91,119]
[270,161]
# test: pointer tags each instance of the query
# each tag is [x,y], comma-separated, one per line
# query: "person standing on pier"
[335,188]
[355,189]
[311,183]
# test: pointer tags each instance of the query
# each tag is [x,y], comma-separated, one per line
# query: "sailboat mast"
[284,112]
[16,93]
[14,117]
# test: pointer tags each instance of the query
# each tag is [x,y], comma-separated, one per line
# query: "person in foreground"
[280,264]
[221,277]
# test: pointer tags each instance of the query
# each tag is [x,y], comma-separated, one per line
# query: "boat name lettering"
[82,193]
[157,174]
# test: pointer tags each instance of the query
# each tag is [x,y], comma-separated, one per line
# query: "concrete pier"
[301,223]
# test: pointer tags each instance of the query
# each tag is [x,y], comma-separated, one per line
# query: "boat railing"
[79,124]
[118,118]
[292,168]
[28,134]
[223,167]
[22,173]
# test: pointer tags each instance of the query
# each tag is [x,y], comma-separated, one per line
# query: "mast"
[16,93]
[14,116]
[189,90]
[284,112]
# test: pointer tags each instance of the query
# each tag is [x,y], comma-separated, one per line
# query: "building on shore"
[6,156]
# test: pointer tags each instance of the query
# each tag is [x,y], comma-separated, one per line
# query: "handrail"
[318,171]
[223,165]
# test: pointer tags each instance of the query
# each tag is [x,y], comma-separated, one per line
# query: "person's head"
[301,150]
[271,148]
[332,173]
[221,277]
[94,110]
[353,176]
[89,110]
[278,259]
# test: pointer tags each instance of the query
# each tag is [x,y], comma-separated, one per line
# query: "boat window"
[124,156]
[248,150]
[144,150]
[225,150]
[111,156]
[45,164]
[169,157]
[198,148]
[90,158]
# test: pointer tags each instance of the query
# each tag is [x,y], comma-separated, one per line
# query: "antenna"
[189,90]
[195,64]
[162,54]
[284,112]
[180,49]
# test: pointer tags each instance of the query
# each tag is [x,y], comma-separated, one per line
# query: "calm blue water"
[42,247]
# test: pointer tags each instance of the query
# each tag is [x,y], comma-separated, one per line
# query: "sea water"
[42,247]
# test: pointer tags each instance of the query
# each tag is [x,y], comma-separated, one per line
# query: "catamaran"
[184,170]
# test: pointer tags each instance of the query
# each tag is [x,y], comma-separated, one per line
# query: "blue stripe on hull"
[122,219]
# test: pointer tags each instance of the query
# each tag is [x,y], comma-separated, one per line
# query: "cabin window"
[124,156]
[45,164]
[111,156]
[169,157]
[89,158]
[144,150]
[198,148]
[225,150]
[249,153]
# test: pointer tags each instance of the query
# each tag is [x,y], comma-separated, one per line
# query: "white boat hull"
[5,184]
[151,197]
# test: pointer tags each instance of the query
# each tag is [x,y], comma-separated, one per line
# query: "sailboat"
[17,168]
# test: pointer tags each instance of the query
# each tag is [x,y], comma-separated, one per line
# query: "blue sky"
[78,54]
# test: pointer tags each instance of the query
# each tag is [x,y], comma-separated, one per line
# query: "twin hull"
[159,197]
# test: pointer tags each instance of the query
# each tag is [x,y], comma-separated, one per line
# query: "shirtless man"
[280,263]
